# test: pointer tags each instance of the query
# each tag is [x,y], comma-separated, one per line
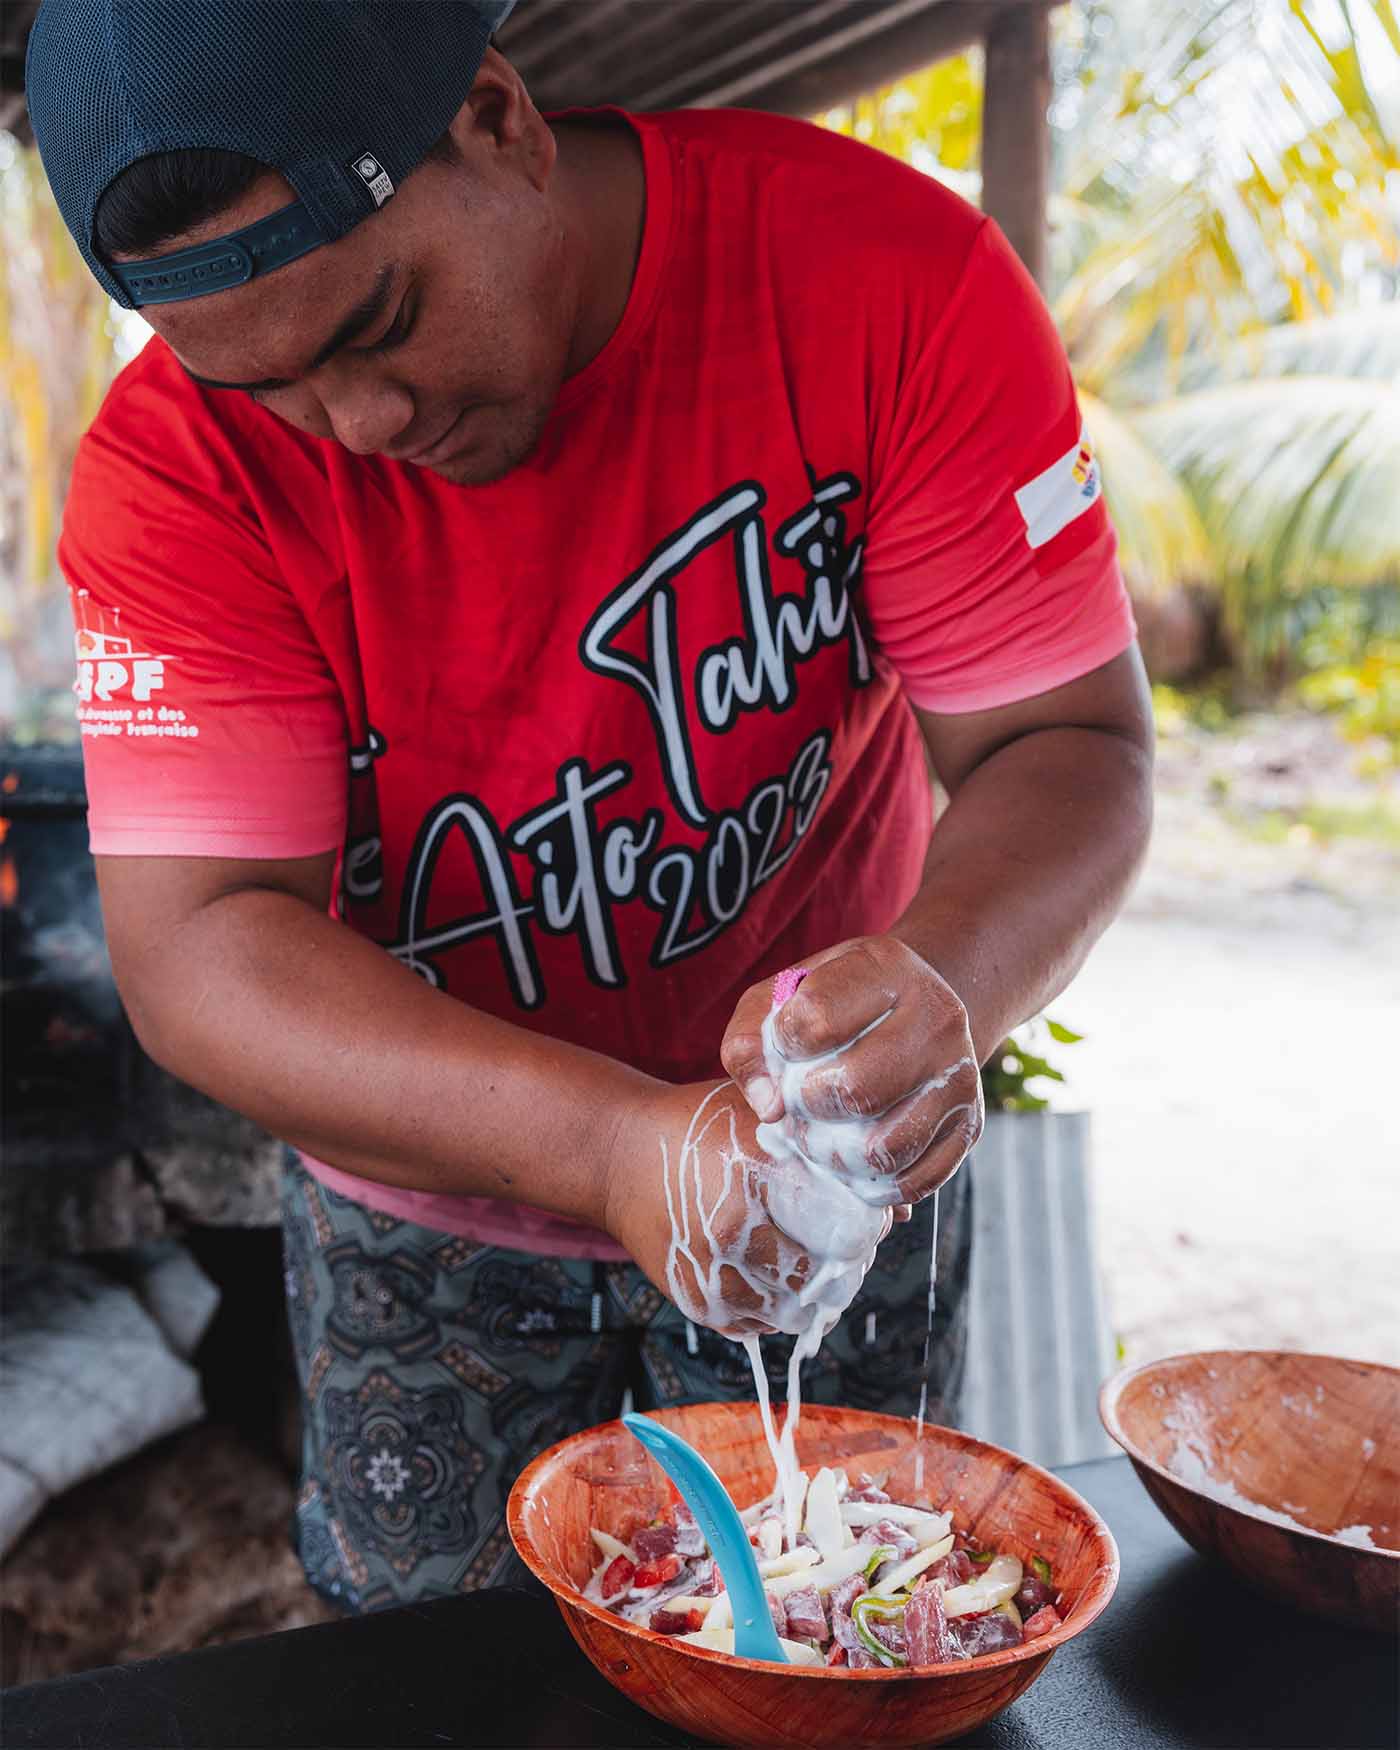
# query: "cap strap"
[228,261]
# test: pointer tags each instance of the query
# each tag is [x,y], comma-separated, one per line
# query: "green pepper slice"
[874,1606]
[884,1552]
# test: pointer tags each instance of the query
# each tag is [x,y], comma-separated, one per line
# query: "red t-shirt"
[606,741]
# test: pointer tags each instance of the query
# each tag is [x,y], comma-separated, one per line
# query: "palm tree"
[1226,233]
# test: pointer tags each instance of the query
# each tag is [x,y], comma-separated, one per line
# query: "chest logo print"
[582,869]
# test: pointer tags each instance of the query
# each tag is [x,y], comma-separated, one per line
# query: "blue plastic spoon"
[704,1494]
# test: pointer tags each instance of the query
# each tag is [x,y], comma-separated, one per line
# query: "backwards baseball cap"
[343,97]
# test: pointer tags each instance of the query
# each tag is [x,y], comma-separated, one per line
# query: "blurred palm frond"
[1296,481]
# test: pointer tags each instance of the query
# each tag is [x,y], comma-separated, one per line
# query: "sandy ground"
[1240,1058]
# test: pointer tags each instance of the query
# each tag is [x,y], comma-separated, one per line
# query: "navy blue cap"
[343,97]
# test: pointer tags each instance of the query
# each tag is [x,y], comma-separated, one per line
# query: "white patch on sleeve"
[1066,489]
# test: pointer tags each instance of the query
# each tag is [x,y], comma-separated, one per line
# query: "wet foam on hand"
[821,1199]
[812,1212]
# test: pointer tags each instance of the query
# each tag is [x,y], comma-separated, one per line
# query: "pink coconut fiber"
[786,983]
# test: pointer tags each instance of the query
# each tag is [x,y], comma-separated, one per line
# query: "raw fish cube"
[1033,1595]
[805,1615]
[690,1540]
[1046,1618]
[842,1598]
[926,1628]
[984,1634]
[705,1580]
[888,1532]
[653,1541]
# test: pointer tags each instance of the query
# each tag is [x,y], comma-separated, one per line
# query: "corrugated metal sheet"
[1039,1343]
[793,55]
[664,54]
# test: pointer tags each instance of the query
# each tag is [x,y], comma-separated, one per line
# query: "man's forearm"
[1029,864]
[330,1043]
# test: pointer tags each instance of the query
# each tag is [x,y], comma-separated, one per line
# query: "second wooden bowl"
[1284,1466]
[603,1478]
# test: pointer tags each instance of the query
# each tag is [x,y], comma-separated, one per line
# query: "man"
[517,593]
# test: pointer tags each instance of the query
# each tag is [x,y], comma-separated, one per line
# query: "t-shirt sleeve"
[211,722]
[991,569]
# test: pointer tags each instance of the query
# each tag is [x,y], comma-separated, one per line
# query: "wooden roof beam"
[888,43]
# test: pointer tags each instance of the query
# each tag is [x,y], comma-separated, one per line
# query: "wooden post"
[1016,132]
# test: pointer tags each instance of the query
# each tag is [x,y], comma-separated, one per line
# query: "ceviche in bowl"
[909,1611]
[867,1582]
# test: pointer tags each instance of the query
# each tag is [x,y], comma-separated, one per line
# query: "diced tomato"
[1046,1618]
[656,1573]
[677,1622]
[836,1654]
[617,1577]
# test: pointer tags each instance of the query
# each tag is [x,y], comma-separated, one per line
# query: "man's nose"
[366,417]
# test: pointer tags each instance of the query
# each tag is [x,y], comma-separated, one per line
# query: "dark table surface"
[1183,1656]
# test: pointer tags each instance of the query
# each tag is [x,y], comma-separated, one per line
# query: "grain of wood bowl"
[603,1478]
[1275,1463]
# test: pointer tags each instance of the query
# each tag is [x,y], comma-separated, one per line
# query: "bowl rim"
[1103,1583]
[1112,1389]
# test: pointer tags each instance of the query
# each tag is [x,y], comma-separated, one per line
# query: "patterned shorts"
[433,1369]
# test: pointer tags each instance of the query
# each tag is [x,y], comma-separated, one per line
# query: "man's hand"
[875,1035]
[726,1232]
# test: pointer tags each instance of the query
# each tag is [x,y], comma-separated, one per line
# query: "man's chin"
[490,456]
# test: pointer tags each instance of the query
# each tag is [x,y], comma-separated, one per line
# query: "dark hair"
[160,198]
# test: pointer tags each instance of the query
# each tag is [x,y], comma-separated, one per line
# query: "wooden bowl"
[1225,1438]
[603,1477]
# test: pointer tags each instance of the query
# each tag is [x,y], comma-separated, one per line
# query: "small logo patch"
[1064,491]
[374,176]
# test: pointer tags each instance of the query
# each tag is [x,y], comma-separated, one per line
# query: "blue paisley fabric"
[433,1369]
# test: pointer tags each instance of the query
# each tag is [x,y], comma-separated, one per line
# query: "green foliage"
[1205,707]
[1225,175]
[1322,823]
[1350,652]
[1241,165]
[1160,533]
[1242,158]
[1020,1061]
[929,118]
[1310,502]
[1365,695]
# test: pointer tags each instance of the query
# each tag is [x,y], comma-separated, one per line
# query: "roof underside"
[796,56]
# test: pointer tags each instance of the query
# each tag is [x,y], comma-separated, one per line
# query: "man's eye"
[397,332]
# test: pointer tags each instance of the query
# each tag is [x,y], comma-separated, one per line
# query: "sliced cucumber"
[998,1583]
[824,1523]
[912,1566]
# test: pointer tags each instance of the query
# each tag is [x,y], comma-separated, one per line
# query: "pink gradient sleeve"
[991,569]
[211,723]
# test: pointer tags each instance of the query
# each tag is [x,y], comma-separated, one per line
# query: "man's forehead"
[274,326]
